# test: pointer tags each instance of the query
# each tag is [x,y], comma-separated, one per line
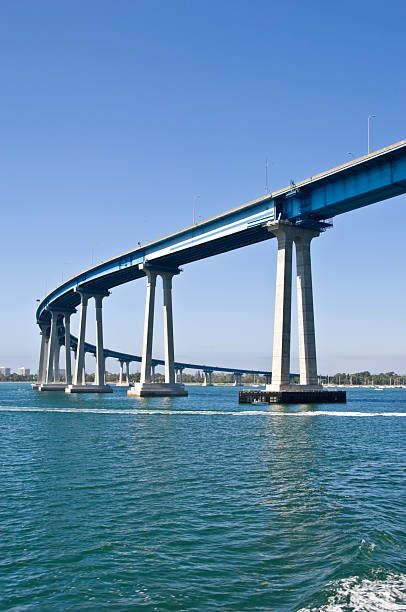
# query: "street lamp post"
[370,117]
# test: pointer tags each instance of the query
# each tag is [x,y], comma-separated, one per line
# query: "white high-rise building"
[5,371]
[23,371]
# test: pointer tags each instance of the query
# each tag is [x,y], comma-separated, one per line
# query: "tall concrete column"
[207,378]
[68,363]
[148,387]
[53,340]
[145,376]
[57,373]
[75,358]
[45,331]
[100,374]
[79,378]
[169,349]
[307,340]
[120,379]
[283,300]
[127,368]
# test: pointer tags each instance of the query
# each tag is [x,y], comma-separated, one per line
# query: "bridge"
[294,215]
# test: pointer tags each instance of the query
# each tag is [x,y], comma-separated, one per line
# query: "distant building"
[5,371]
[23,371]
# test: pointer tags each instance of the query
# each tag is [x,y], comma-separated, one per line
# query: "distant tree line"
[18,378]
[222,378]
[364,378]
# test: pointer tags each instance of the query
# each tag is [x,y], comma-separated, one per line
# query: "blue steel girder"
[375,180]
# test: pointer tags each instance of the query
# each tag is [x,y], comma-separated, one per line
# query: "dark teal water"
[112,503]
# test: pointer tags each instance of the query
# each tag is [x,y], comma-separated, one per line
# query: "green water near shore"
[198,503]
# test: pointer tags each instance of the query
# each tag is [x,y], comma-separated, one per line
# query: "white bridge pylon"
[287,234]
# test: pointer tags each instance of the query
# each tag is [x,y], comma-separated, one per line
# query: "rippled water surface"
[200,504]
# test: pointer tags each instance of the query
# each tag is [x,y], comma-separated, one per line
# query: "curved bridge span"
[294,215]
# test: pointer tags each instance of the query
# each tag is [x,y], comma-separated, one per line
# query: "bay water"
[198,503]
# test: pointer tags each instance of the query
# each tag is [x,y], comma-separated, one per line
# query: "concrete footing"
[89,389]
[50,387]
[157,390]
[304,396]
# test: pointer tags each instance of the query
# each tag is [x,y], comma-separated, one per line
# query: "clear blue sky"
[115,115]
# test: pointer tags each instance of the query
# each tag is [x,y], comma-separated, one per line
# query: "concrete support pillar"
[68,363]
[169,349]
[147,387]
[42,366]
[145,376]
[127,367]
[57,374]
[237,379]
[283,300]
[79,378]
[75,358]
[307,339]
[120,379]
[207,378]
[53,340]
[100,374]
[286,234]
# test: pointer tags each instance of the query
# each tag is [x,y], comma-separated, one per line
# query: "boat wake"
[357,595]
[169,412]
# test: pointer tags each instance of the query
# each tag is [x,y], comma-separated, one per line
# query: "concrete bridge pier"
[147,387]
[45,331]
[57,372]
[287,234]
[68,360]
[207,382]
[124,378]
[237,379]
[49,357]
[179,375]
[79,383]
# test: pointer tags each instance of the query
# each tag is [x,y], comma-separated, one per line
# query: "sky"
[118,118]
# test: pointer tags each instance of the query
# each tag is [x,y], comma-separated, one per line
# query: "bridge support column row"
[237,379]
[147,385]
[207,381]
[287,234]
[122,376]
[49,373]
[79,382]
